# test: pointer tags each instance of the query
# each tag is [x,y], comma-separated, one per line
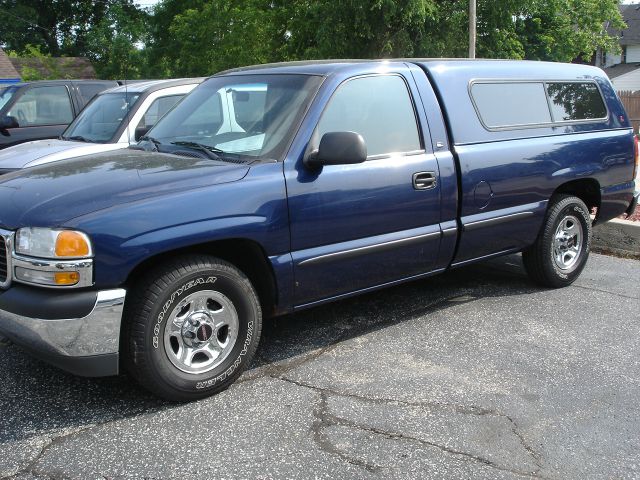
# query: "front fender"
[253,208]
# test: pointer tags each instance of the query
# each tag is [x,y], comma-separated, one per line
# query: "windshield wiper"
[212,152]
[147,138]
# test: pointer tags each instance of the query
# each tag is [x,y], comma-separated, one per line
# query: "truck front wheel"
[561,250]
[191,328]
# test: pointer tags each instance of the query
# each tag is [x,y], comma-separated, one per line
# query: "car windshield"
[246,116]
[102,118]
[5,95]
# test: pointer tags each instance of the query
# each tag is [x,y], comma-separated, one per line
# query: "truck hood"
[52,194]
[30,154]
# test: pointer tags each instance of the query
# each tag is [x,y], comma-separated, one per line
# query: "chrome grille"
[3,260]
[6,246]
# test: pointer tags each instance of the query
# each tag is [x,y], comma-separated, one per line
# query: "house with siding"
[8,73]
[623,68]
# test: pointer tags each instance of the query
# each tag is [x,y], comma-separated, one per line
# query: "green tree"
[213,36]
[555,30]
[161,44]
[115,44]
[357,28]
[210,36]
[106,31]
[58,27]
[562,30]
[200,37]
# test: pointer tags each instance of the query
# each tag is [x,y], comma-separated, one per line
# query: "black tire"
[540,260]
[156,299]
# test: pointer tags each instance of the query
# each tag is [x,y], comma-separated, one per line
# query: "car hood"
[30,154]
[52,194]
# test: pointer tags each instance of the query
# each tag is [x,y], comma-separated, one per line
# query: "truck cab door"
[42,111]
[359,226]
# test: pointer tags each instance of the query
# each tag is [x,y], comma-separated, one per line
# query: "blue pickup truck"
[275,188]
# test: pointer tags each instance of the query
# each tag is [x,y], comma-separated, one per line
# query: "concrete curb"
[620,237]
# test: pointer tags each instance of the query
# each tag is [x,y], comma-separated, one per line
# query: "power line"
[24,20]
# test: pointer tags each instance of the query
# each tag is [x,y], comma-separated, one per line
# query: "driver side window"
[379,108]
[43,106]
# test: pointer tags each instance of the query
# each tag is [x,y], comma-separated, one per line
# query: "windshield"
[243,116]
[100,120]
[5,95]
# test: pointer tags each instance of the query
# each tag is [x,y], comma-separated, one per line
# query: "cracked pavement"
[473,374]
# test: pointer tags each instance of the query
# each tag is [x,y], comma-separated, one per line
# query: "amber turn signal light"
[71,244]
[66,278]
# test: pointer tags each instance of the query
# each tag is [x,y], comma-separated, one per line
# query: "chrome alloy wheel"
[567,242]
[201,331]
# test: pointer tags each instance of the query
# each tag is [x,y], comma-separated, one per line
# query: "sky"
[146,3]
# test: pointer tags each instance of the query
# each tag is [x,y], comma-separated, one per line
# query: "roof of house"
[631,16]
[62,67]
[621,69]
[7,69]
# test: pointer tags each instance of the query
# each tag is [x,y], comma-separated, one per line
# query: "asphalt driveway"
[472,374]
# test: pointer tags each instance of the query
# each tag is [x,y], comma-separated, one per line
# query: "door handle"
[424,180]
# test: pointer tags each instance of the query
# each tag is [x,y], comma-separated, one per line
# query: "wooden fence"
[631,102]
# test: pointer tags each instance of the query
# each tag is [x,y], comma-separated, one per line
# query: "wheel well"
[246,255]
[587,190]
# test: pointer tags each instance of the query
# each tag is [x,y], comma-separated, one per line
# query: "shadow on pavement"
[37,399]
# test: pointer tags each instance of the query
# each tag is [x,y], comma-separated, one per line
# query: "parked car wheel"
[561,250]
[192,327]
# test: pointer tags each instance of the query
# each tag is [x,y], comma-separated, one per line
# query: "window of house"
[379,108]
[43,106]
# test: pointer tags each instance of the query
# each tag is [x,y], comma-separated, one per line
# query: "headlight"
[52,258]
[52,243]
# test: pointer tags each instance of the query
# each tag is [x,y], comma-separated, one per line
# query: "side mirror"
[140,132]
[8,122]
[338,148]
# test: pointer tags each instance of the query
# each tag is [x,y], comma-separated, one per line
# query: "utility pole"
[472,28]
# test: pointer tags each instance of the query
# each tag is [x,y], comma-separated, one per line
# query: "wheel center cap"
[204,332]
[197,329]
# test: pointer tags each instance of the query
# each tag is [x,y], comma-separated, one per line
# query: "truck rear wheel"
[192,327]
[561,250]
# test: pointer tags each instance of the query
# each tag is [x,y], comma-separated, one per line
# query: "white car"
[114,119]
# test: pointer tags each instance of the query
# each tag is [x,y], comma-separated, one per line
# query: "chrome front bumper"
[86,346]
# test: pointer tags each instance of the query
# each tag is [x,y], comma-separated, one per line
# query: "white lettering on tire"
[165,308]
[227,373]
